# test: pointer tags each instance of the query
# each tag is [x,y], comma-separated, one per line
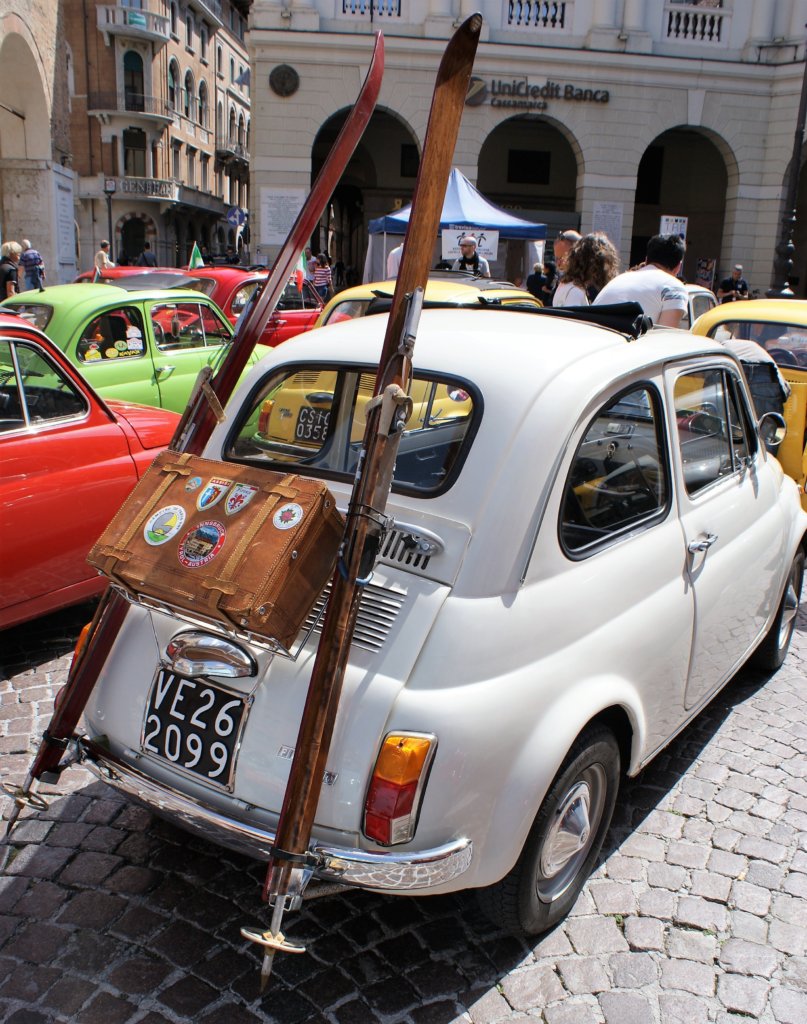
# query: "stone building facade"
[160,122]
[36,182]
[618,115]
[128,119]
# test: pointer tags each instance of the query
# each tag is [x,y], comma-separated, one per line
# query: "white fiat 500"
[589,540]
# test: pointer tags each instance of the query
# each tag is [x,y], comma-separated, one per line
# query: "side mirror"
[772,429]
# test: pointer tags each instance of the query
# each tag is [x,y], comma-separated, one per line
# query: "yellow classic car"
[779,326]
[445,289]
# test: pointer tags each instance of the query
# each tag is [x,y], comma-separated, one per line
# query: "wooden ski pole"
[290,863]
[197,424]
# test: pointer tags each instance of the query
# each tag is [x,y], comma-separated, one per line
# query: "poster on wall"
[487,242]
[607,220]
[279,209]
[674,226]
[705,271]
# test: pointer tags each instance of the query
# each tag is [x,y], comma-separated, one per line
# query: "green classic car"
[145,346]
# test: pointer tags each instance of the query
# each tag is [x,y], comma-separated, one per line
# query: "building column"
[606,204]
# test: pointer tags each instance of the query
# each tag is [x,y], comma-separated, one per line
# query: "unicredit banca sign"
[523,95]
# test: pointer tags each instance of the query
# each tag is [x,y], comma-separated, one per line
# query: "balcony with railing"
[210,8]
[134,105]
[133,23]
[228,148]
[696,24]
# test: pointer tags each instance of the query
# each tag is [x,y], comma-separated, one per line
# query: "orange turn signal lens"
[402,758]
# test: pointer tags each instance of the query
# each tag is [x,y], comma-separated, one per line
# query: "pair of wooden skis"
[289,866]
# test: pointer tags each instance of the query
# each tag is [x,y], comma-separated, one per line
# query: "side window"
[177,325]
[33,390]
[714,434]
[216,330]
[241,297]
[116,334]
[619,477]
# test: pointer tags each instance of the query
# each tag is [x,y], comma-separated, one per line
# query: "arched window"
[133,81]
[233,129]
[189,32]
[219,61]
[174,18]
[187,96]
[203,39]
[202,104]
[241,132]
[232,69]
[219,121]
[173,85]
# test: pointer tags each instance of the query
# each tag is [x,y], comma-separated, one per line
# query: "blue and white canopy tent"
[464,209]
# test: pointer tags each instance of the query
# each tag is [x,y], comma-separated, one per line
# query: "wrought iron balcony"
[116,20]
[150,107]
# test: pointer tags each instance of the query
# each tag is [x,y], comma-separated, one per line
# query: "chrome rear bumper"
[393,872]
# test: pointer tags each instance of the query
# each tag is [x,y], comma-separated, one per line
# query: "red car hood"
[154,428]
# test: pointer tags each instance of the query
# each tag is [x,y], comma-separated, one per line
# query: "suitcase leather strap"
[223,584]
[119,552]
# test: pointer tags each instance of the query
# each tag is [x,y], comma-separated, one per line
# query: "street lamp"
[110,187]
[785,250]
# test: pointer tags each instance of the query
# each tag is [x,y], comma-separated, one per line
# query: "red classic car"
[230,288]
[69,459]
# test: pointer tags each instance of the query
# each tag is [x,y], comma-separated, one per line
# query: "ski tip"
[472,24]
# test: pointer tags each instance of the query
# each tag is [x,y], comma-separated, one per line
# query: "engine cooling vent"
[402,548]
[378,609]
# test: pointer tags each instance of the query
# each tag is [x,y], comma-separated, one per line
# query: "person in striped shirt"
[323,281]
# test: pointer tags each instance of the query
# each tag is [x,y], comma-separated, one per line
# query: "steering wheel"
[159,334]
[783,355]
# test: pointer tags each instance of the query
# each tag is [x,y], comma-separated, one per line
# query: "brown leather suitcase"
[237,544]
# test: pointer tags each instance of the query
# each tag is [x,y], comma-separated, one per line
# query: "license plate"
[312,424]
[195,726]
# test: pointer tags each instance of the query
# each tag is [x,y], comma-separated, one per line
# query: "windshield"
[312,421]
[784,342]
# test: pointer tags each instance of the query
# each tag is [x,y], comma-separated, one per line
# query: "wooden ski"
[388,411]
[195,428]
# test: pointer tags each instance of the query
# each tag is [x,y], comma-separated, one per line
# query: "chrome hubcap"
[571,833]
[790,610]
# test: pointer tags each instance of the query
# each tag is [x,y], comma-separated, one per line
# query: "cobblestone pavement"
[698,911]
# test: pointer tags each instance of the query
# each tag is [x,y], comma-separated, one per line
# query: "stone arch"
[531,162]
[380,175]
[690,172]
[25,114]
[131,231]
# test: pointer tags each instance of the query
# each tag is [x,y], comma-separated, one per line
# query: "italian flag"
[196,258]
[300,271]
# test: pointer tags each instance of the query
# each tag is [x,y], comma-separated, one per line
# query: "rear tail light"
[264,416]
[396,787]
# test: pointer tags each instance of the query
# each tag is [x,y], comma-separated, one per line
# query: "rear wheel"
[771,653]
[564,841]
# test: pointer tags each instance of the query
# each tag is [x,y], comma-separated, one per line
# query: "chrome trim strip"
[380,871]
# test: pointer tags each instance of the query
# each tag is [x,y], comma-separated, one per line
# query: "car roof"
[766,310]
[486,345]
[84,297]
[441,287]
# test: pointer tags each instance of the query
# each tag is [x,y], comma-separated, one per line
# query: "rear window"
[784,342]
[312,421]
[36,313]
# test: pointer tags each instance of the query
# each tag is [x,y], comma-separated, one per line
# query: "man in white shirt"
[654,285]
[394,261]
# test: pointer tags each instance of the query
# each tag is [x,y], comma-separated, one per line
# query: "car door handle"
[164,371]
[703,544]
